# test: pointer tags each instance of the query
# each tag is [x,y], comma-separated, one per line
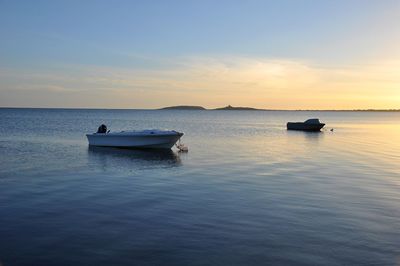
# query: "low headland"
[229,108]
[193,107]
[183,107]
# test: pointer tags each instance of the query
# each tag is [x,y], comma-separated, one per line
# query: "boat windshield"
[312,121]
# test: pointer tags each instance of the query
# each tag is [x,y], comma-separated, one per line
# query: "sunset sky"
[290,54]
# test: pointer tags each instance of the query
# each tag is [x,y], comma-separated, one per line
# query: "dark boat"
[308,125]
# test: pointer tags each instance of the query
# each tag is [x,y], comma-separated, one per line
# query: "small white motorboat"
[144,139]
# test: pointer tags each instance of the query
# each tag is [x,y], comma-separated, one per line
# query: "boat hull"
[304,126]
[134,141]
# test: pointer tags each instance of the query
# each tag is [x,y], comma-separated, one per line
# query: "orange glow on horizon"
[216,82]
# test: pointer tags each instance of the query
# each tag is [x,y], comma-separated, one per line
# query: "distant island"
[232,108]
[184,107]
[193,107]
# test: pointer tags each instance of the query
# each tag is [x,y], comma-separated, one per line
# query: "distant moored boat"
[308,125]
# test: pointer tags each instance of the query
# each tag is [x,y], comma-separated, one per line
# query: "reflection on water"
[306,134]
[109,158]
[307,138]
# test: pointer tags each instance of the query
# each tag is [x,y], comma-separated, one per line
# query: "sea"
[248,192]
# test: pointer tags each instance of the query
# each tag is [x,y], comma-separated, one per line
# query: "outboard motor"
[102,129]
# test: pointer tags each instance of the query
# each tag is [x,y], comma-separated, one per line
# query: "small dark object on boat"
[308,125]
[331,129]
[102,129]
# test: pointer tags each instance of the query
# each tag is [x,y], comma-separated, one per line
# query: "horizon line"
[212,109]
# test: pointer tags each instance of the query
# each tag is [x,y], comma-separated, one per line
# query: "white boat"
[145,139]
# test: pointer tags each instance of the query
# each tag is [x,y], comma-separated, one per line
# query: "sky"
[286,54]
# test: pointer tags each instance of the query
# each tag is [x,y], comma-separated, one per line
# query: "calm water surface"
[247,193]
